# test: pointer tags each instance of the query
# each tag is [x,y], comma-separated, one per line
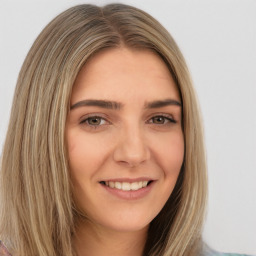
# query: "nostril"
[132,151]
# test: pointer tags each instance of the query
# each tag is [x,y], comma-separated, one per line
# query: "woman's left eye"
[160,119]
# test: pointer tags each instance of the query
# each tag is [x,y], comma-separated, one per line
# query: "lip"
[130,180]
[131,194]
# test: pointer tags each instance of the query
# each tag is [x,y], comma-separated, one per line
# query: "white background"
[218,39]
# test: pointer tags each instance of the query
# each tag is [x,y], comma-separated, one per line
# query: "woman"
[104,153]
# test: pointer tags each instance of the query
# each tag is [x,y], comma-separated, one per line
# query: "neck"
[95,240]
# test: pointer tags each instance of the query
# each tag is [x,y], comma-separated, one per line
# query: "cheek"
[85,158]
[86,153]
[168,155]
[169,152]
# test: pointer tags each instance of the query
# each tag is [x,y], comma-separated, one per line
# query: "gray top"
[206,252]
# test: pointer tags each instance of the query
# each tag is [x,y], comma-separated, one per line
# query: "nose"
[131,149]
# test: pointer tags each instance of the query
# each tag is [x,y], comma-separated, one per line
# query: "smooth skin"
[136,135]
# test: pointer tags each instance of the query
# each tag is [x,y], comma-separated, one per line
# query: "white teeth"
[118,185]
[111,184]
[126,186]
[134,186]
[144,184]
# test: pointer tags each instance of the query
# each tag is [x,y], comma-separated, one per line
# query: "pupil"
[94,121]
[158,120]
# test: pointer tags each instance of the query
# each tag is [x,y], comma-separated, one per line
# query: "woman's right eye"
[94,121]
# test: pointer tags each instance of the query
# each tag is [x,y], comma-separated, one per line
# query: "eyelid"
[166,116]
[83,119]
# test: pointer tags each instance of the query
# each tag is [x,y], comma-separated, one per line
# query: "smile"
[126,186]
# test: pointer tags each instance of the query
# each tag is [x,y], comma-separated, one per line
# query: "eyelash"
[86,120]
[168,119]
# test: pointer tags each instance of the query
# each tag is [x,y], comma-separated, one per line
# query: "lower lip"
[130,194]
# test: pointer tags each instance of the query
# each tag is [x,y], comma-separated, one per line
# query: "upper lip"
[130,180]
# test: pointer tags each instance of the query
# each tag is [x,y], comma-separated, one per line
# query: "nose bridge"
[132,148]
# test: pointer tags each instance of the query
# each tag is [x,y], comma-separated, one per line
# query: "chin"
[128,221]
[128,226]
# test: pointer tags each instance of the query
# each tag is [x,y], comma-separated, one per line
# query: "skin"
[130,140]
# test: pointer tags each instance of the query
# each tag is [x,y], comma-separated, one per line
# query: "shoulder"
[3,250]
[209,252]
[224,254]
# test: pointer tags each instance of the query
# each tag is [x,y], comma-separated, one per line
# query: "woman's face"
[125,139]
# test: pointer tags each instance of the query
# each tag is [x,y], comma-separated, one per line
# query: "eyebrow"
[117,105]
[98,103]
[163,103]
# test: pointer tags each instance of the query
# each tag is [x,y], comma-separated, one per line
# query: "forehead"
[123,72]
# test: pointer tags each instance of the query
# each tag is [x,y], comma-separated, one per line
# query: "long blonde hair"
[37,216]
